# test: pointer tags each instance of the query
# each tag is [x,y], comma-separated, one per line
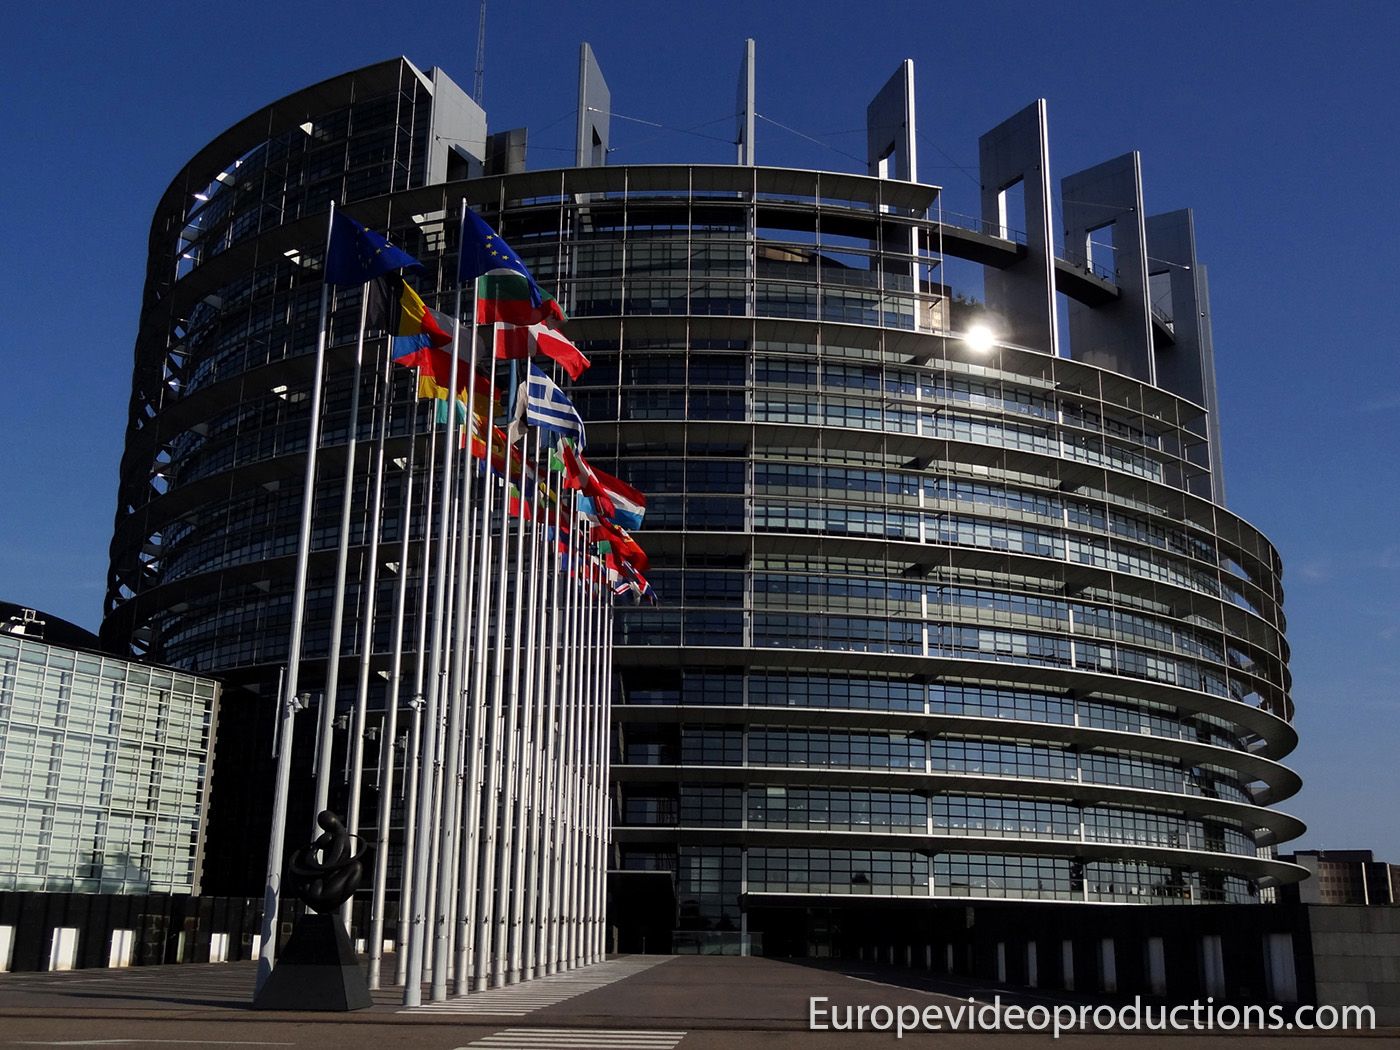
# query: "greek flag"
[547,407]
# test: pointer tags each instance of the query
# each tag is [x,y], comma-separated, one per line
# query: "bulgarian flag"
[514,342]
[505,297]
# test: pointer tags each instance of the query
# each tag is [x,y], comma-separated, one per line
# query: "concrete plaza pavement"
[627,1003]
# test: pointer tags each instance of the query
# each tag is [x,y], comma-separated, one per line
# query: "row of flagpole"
[503,782]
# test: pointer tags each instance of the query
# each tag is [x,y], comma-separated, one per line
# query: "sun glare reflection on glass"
[979,338]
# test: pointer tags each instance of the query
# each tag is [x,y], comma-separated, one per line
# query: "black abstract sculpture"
[318,970]
[325,884]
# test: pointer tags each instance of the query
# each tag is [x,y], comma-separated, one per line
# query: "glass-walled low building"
[104,770]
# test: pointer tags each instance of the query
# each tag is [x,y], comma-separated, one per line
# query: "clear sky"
[1274,121]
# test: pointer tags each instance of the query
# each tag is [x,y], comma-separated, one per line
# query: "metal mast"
[479,81]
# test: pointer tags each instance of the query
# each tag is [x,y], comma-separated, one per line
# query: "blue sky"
[1274,122]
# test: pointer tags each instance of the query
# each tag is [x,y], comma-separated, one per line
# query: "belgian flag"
[396,308]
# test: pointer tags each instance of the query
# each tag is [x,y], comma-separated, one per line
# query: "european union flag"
[357,255]
[484,252]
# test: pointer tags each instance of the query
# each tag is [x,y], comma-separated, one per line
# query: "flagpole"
[505,967]
[469,960]
[369,601]
[585,823]
[580,753]
[483,722]
[422,908]
[498,778]
[476,940]
[599,784]
[439,880]
[507,907]
[580,672]
[599,735]
[389,739]
[568,903]
[452,900]
[469,765]
[600,774]
[447,851]
[611,627]
[544,954]
[580,657]
[604,774]
[591,795]
[585,686]
[415,747]
[347,501]
[268,949]
[599,732]
[438,683]
[472,660]
[484,967]
[450,891]
[440,804]
[590,780]
[524,891]
[585,878]
[562,761]
[547,553]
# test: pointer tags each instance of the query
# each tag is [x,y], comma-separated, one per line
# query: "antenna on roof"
[479,81]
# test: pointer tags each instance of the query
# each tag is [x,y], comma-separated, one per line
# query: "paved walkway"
[517,1000]
[578,1039]
[626,1003]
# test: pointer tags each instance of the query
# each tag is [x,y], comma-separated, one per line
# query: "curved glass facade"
[208,512]
[936,622]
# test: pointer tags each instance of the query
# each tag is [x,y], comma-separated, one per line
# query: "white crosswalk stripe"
[576,1039]
[517,1000]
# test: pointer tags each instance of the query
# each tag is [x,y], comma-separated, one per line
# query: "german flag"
[435,376]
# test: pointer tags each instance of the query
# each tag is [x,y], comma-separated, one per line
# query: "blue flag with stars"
[357,255]
[483,252]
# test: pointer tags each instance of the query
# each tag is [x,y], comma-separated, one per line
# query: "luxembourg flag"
[629,505]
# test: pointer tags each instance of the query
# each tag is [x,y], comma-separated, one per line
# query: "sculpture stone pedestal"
[317,970]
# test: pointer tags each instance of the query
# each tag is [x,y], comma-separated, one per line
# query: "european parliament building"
[952,608]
